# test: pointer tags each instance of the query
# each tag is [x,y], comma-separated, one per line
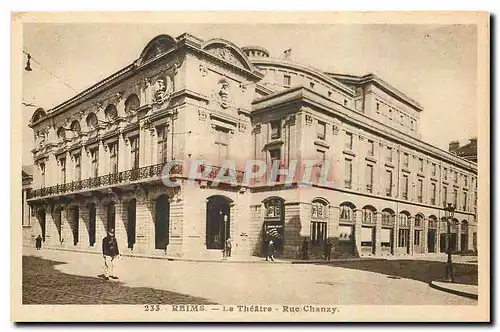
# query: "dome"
[255,51]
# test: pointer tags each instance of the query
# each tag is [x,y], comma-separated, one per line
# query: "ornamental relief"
[226,54]
[162,90]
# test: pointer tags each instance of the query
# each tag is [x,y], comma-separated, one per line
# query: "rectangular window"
[411,125]
[433,193]
[455,177]
[321,130]
[113,158]
[390,114]
[371,148]
[162,148]
[276,129]
[405,187]
[134,152]
[348,174]
[287,80]
[420,165]
[433,169]
[369,178]
[348,141]
[455,198]
[417,237]
[465,201]
[388,188]
[94,158]
[403,238]
[406,160]
[445,195]
[389,154]
[465,181]
[42,175]
[275,155]
[62,165]
[420,190]
[78,166]
[378,106]
[320,155]
[445,173]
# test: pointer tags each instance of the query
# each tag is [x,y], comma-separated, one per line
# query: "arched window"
[110,112]
[319,217]
[404,219]
[61,133]
[432,222]
[75,127]
[368,215]
[388,217]
[92,121]
[419,220]
[347,211]
[132,103]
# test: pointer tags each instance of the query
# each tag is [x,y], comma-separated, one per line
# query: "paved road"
[258,283]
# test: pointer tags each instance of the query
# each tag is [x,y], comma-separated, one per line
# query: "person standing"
[305,249]
[328,249]
[109,253]
[38,242]
[229,245]
[270,251]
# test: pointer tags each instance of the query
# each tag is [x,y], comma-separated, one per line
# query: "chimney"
[453,146]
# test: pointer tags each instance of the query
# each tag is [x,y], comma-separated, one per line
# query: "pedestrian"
[38,242]
[270,251]
[229,245]
[328,249]
[305,249]
[109,253]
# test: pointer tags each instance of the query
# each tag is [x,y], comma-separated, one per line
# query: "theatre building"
[99,159]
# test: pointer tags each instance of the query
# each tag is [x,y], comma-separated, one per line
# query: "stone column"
[357,232]
[411,220]
[438,236]
[144,219]
[120,229]
[396,235]
[425,234]
[378,233]
[100,223]
[459,235]
[67,227]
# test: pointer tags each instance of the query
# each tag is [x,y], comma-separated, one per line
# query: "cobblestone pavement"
[258,283]
[43,284]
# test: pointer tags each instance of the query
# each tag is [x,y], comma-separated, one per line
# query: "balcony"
[131,176]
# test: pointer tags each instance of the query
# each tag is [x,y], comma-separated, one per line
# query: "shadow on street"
[43,284]
[420,270]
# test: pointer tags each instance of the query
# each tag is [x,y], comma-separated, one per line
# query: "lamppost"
[449,211]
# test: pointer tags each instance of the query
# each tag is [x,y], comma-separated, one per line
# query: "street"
[71,277]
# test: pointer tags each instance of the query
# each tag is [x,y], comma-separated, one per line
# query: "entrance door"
[162,214]
[218,222]
[431,240]
[442,242]
[41,220]
[92,214]
[111,216]
[76,222]
[386,241]
[346,244]
[131,223]
[453,240]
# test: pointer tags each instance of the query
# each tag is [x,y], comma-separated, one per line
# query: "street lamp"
[449,211]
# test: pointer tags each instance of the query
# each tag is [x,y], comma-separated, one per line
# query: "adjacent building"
[99,160]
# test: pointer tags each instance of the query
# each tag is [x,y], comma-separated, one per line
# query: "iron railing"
[143,173]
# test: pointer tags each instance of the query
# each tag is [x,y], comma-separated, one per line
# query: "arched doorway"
[162,214]
[41,220]
[404,233]
[432,234]
[387,231]
[368,222]
[76,221]
[346,245]
[111,216]
[274,223]
[92,216]
[418,226]
[218,221]
[131,206]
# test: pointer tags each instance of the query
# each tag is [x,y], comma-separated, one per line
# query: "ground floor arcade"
[195,220]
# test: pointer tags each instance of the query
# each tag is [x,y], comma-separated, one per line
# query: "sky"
[435,65]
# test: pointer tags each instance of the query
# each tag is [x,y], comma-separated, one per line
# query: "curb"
[453,291]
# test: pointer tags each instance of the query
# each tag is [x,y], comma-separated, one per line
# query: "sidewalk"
[469,291]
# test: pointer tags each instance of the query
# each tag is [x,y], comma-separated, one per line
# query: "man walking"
[38,242]
[109,253]
[229,245]
[270,251]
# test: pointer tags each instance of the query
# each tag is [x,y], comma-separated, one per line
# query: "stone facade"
[99,160]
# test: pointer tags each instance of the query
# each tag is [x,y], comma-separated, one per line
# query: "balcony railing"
[147,172]
[131,175]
